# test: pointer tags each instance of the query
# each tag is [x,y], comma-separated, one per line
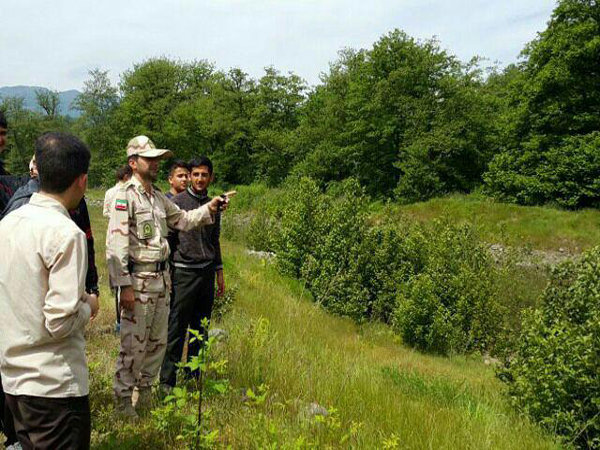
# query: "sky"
[55,43]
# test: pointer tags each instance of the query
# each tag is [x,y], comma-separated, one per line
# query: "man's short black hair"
[3,122]
[60,159]
[178,163]
[201,161]
[122,172]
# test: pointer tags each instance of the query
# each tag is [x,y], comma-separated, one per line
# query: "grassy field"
[540,228]
[291,354]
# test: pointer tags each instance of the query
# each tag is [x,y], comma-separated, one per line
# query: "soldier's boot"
[145,399]
[125,409]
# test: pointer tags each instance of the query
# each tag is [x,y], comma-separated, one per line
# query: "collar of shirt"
[138,184]
[199,195]
[142,190]
[44,201]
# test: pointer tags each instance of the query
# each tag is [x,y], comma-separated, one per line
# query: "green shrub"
[438,285]
[391,253]
[572,173]
[264,223]
[298,227]
[451,305]
[567,174]
[334,269]
[512,176]
[554,374]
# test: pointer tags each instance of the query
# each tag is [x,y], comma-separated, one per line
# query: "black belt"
[147,267]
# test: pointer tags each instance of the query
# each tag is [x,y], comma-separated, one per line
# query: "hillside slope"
[382,390]
[378,393]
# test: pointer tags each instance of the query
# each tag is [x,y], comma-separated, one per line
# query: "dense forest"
[406,118]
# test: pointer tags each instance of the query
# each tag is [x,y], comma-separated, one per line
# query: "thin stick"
[202,360]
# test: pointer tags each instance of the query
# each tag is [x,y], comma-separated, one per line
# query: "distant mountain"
[28,93]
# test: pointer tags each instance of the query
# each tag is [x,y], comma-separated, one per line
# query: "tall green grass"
[381,392]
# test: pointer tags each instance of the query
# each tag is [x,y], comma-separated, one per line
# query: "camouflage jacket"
[137,232]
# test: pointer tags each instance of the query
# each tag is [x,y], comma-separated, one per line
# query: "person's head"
[3,131]
[62,161]
[201,173]
[123,173]
[179,176]
[143,157]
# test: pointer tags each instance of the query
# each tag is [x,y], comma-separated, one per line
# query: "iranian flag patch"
[121,205]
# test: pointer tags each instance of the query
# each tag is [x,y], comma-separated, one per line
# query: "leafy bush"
[572,173]
[298,232]
[447,281]
[567,174]
[554,375]
[389,255]
[334,269]
[451,304]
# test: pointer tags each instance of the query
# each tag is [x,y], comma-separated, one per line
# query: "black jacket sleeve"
[9,184]
[81,217]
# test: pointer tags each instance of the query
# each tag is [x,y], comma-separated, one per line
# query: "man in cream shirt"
[44,305]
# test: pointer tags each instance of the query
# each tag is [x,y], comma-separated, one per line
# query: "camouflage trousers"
[143,339]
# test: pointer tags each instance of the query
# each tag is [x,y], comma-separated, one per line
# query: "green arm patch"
[121,205]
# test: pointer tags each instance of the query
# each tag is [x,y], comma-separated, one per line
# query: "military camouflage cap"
[143,146]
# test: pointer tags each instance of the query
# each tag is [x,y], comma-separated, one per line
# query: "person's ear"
[82,181]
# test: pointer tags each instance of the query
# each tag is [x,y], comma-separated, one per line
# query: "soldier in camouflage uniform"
[137,253]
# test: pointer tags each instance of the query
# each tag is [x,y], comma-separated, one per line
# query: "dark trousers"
[6,420]
[192,301]
[51,423]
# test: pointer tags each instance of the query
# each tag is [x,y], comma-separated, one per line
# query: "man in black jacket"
[8,183]
[196,262]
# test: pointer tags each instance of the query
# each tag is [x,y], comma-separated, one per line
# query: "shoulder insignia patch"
[121,205]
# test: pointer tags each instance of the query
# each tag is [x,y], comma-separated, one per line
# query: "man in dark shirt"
[196,262]
[8,183]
